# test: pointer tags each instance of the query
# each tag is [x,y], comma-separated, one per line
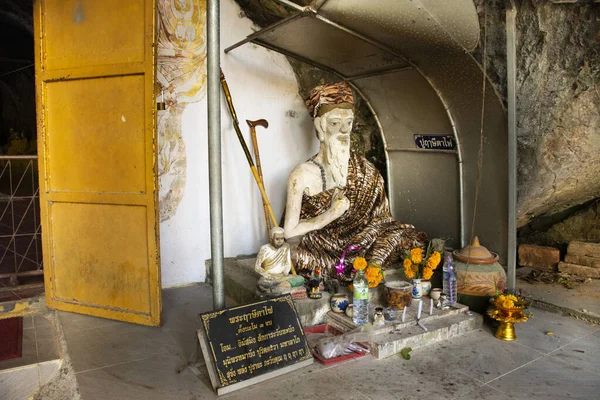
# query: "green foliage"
[405,353]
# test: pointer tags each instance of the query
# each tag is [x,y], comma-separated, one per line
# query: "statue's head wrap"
[326,97]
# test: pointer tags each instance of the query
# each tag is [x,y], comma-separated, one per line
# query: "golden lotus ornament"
[507,317]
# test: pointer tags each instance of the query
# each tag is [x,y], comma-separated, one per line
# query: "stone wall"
[558,106]
[583,225]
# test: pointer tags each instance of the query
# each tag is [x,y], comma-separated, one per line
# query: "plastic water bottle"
[360,299]
[449,287]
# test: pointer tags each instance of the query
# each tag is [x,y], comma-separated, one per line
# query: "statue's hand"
[339,203]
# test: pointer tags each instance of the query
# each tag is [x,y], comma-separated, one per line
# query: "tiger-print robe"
[368,224]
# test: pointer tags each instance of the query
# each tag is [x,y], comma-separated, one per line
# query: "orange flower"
[427,273]
[508,304]
[359,263]
[374,275]
[407,263]
[374,282]
[416,255]
[434,260]
[408,272]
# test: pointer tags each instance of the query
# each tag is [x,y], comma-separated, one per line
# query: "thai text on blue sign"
[435,142]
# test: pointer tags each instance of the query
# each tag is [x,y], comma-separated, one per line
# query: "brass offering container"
[507,317]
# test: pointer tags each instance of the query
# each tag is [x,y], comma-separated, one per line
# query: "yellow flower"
[416,255]
[359,263]
[508,304]
[374,275]
[408,272]
[427,273]
[512,297]
[407,263]
[372,272]
[374,281]
[434,260]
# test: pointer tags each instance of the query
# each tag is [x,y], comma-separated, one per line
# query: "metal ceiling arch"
[411,61]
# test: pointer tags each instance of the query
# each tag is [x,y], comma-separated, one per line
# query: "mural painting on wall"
[181,79]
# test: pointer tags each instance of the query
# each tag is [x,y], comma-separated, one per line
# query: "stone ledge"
[579,270]
[586,261]
[584,249]
[240,285]
[393,337]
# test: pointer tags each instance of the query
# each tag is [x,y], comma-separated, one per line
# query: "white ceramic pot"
[435,294]
[426,286]
[417,291]
[339,302]
[350,310]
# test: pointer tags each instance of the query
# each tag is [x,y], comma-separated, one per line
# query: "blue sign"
[435,142]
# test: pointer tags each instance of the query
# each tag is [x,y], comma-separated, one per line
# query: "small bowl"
[435,293]
[349,310]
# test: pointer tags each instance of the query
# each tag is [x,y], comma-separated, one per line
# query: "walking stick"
[236,126]
[253,125]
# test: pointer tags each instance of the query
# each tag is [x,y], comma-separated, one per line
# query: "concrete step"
[24,381]
[240,279]
[393,337]
[240,285]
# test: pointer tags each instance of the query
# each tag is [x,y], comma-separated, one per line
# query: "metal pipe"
[380,72]
[262,32]
[24,273]
[291,4]
[299,58]
[214,152]
[317,4]
[364,38]
[18,157]
[511,72]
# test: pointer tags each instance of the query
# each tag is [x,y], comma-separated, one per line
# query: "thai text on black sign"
[435,142]
[254,339]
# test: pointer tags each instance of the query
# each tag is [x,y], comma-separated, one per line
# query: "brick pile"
[582,259]
[539,257]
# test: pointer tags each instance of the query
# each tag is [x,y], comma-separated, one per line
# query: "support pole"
[214,152]
[511,72]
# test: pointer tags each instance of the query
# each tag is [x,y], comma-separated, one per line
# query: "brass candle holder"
[507,318]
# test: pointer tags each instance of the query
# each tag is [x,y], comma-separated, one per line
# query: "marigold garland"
[374,275]
[427,273]
[416,256]
[417,266]
[359,263]
[509,301]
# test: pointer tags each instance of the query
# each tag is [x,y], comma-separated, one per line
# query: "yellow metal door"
[95,67]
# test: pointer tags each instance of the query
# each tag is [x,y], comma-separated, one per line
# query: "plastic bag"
[335,346]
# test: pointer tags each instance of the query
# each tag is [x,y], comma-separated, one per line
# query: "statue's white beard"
[338,155]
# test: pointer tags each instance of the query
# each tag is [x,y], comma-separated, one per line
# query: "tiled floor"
[40,360]
[39,343]
[114,360]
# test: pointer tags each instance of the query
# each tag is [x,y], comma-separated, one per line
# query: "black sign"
[435,142]
[254,339]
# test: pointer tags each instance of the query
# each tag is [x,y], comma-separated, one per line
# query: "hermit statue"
[274,264]
[337,198]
